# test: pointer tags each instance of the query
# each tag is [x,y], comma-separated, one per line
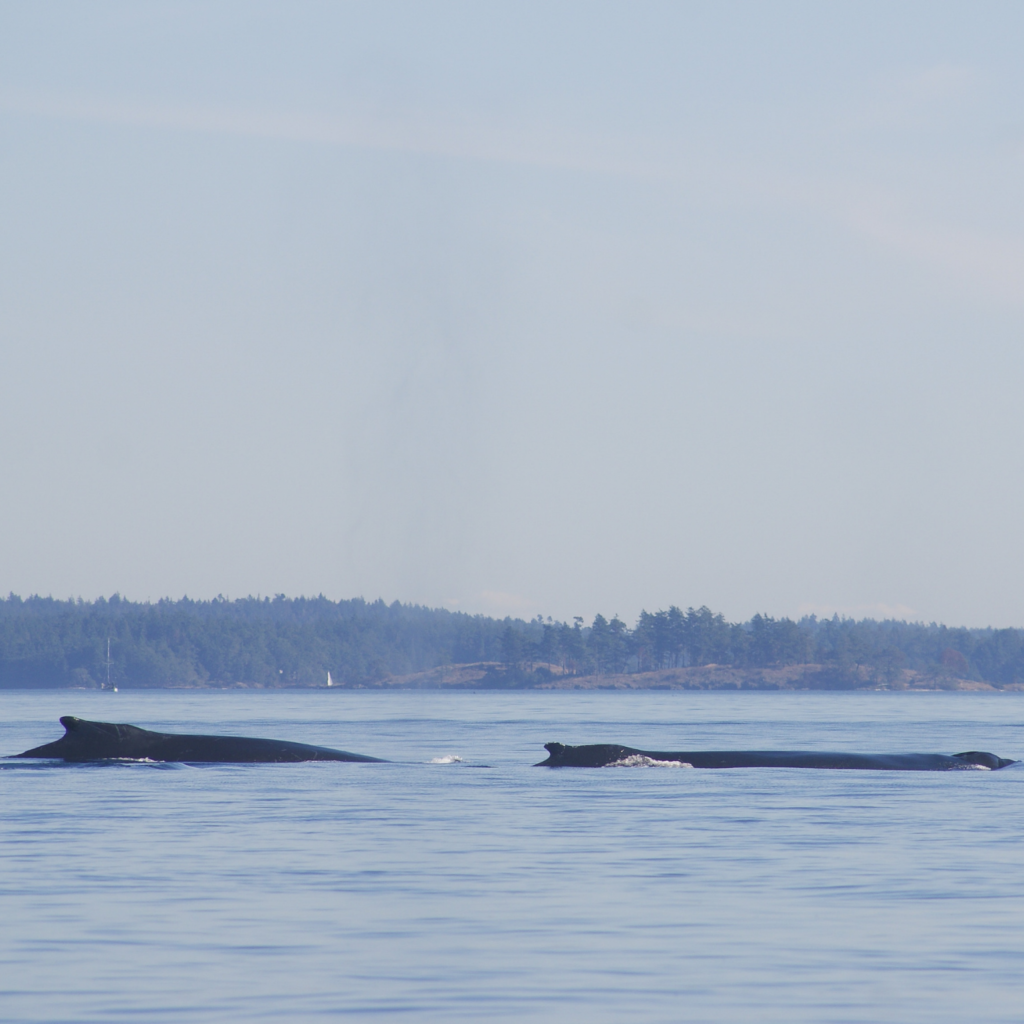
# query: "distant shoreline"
[290,643]
[487,676]
[794,678]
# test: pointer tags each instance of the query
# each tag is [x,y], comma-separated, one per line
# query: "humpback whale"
[101,741]
[600,755]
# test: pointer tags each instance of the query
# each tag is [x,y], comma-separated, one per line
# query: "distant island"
[294,642]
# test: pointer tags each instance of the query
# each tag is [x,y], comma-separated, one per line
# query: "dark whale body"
[102,741]
[599,755]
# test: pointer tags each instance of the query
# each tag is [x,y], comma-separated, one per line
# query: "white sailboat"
[329,683]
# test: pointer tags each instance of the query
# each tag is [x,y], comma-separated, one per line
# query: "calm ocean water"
[487,889]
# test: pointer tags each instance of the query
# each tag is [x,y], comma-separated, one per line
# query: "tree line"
[696,637]
[295,641]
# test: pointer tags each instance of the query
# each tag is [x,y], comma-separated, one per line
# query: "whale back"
[100,741]
[600,755]
[89,741]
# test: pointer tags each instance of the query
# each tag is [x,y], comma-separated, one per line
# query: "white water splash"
[643,761]
[447,759]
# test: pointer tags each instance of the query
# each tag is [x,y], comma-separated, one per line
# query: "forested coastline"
[295,641]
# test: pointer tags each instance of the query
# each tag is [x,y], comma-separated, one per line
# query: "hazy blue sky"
[533,308]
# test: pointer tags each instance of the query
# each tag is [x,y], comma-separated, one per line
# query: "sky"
[516,308]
